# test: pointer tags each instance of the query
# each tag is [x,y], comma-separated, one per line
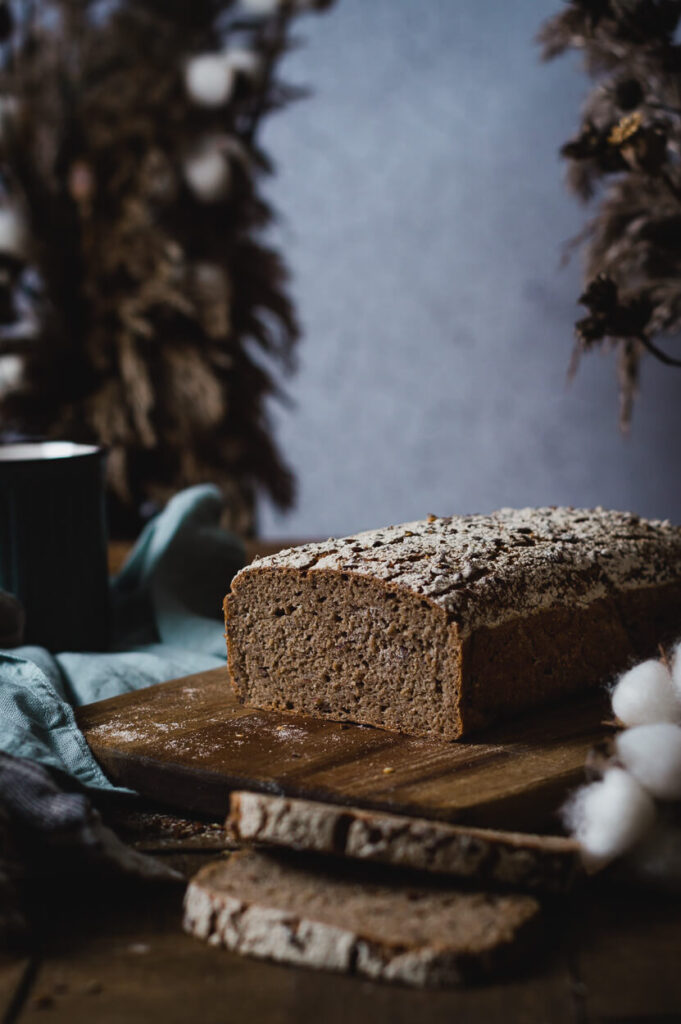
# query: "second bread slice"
[487,856]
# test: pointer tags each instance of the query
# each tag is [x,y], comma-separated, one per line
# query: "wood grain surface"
[188,743]
[117,954]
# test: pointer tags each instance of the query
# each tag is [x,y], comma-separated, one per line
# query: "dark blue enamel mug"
[53,542]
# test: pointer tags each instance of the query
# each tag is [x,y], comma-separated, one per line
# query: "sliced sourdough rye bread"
[438,627]
[282,909]
[487,856]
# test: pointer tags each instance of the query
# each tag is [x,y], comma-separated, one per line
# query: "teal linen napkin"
[167,622]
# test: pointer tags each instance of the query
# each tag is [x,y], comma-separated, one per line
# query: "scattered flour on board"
[118,733]
[191,691]
[289,732]
[131,734]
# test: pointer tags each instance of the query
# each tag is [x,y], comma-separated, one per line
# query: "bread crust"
[487,856]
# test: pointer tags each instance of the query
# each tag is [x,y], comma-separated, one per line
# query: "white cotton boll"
[11,372]
[645,694]
[608,817]
[208,173]
[209,79]
[262,7]
[12,232]
[652,754]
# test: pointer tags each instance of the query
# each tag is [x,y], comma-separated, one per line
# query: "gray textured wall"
[422,215]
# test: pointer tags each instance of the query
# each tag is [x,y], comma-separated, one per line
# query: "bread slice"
[510,859]
[439,627]
[343,920]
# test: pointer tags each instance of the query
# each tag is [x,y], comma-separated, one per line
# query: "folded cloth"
[47,830]
[167,622]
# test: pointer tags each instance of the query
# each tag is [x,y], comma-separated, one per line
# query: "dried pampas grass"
[154,319]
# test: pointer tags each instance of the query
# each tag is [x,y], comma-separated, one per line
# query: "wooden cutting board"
[188,743]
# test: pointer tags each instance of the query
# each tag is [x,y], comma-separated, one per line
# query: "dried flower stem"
[657,352]
[628,145]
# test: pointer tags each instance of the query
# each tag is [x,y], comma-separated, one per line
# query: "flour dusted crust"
[515,860]
[523,606]
[297,913]
[485,569]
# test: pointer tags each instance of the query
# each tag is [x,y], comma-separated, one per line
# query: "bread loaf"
[345,920]
[487,856]
[439,627]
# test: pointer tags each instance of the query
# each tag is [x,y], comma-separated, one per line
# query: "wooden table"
[113,951]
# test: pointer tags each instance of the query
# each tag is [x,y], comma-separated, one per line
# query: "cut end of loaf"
[441,627]
[343,646]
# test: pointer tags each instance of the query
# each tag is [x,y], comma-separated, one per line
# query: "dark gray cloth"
[46,829]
